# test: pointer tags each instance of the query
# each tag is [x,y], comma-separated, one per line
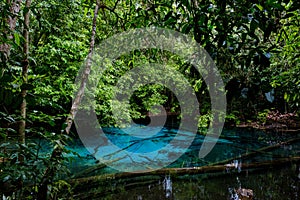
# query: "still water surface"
[278,182]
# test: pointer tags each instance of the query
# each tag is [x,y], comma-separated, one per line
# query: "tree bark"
[85,74]
[22,124]
[50,172]
[11,21]
[183,171]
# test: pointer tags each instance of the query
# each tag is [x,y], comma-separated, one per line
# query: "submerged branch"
[184,171]
[254,152]
[97,167]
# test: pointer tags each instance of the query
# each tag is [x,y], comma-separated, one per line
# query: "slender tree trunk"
[11,21]
[50,172]
[85,74]
[22,124]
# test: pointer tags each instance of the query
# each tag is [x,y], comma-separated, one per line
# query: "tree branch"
[85,74]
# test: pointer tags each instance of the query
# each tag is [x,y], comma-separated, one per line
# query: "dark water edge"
[268,183]
[274,182]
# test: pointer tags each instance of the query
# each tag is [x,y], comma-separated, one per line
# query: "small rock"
[245,194]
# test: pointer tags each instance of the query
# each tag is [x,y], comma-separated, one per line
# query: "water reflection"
[267,183]
[235,165]
[233,145]
[167,185]
[233,194]
[240,193]
[298,167]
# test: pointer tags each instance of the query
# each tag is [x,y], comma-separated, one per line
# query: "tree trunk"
[22,124]
[11,21]
[50,172]
[183,171]
[85,74]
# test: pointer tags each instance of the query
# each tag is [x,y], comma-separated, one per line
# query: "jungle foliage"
[255,45]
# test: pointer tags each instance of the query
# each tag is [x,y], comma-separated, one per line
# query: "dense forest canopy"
[254,45]
[43,44]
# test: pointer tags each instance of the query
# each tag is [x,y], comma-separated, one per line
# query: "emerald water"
[232,143]
[242,146]
[267,182]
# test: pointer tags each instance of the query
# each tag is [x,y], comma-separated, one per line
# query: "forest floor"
[275,121]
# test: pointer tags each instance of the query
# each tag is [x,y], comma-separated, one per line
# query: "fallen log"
[182,171]
[254,152]
[221,163]
[96,167]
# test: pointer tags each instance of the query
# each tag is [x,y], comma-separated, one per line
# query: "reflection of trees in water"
[240,193]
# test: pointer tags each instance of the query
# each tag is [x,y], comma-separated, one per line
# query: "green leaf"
[259,7]
[32,60]
[285,96]
[17,39]
[186,28]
